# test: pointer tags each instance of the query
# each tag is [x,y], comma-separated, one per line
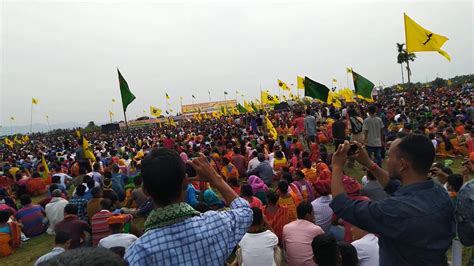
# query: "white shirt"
[258,249]
[55,212]
[367,250]
[53,253]
[253,163]
[117,240]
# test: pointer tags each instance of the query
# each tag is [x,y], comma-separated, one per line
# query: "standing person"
[338,130]
[373,135]
[421,210]
[75,227]
[310,126]
[62,240]
[31,216]
[298,235]
[258,245]
[55,210]
[175,233]
[117,238]
[356,125]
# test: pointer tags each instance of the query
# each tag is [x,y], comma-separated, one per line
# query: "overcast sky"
[66,54]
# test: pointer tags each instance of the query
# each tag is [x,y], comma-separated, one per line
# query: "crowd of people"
[225,190]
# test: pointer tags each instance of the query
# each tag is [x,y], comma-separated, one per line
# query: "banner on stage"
[207,107]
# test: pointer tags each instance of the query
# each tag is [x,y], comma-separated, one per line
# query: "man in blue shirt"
[414,224]
[177,234]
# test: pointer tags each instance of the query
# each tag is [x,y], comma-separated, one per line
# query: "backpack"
[464,214]
[356,125]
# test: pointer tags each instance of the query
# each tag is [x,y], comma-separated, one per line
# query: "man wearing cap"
[117,238]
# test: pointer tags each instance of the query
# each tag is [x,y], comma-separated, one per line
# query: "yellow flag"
[167,96]
[181,98]
[283,85]
[17,141]
[334,81]
[216,114]
[420,39]
[25,138]
[349,70]
[88,154]
[78,133]
[271,129]
[234,111]
[34,101]
[450,82]
[172,123]
[113,100]
[12,118]
[300,82]
[248,107]
[45,166]
[268,99]
[155,111]
[9,143]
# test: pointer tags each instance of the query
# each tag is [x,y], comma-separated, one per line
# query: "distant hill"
[38,128]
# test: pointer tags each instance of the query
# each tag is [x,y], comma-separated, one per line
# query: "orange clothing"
[310,174]
[229,170]
[288,201]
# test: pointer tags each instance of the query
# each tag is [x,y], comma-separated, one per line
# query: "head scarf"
[210,197]
[117,219]
[351,186]
[323,186]
[184,156]
[257,184]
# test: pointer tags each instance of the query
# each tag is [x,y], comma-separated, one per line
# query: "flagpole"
[31,118]
[181,103]
[11,126]
[261,99]
[126,122]
[47,120]
[209,93]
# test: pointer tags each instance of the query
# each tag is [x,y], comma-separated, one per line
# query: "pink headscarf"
[184,156]
[257,184]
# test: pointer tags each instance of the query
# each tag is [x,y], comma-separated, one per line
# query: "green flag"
[316,90]
[254,106]
[127,95]
[241,109]
[225,93]
[363,87]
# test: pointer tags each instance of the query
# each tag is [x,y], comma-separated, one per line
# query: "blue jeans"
[377,154]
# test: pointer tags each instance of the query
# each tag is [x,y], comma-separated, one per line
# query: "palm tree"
[400,58]
[405,57]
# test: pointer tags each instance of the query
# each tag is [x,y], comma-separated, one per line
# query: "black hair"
[61,237]
[232,181]
[455,181]
[106,204]
[370,176]
[372,109]
[325,250]
[287,177]
[96,166]
[86,256]
[55,179]
[138,180]
[299,174]
[272,196]
[70,209]
[202,207]
[53,187]
[257,216]
[90,183]
[303,209]
[120,251]
[246,190]
[163,172]
[4,216]
[348,254]
[25,199]
[80,190]
[261,157]
[418,150]
[96,192]
[225,161]
[283,186]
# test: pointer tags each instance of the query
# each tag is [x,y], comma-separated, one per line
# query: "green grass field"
[29,251]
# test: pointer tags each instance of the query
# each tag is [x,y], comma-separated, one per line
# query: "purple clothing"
[257,184]
[31,216]
[309,188]
[238,160]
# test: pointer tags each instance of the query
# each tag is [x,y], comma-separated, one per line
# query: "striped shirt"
[100,228]
[31,216]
